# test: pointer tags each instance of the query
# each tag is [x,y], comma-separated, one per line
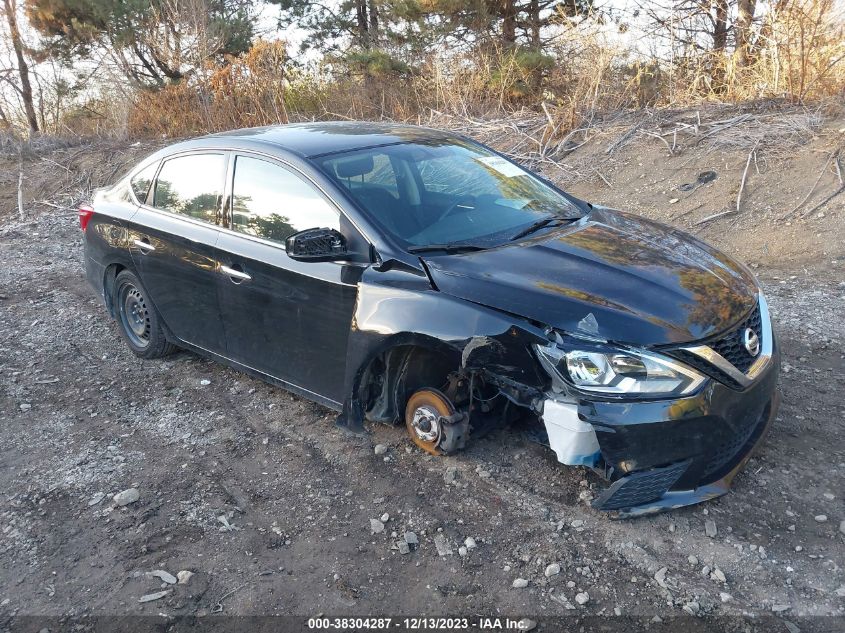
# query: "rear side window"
[142,180]
[192,185]
[272,202]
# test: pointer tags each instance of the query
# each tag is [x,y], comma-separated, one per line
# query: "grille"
[639,488]
[697,362]
[730,346]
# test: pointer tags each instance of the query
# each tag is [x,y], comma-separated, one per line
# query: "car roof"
[328,137]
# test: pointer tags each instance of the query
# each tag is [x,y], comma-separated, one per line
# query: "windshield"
[446,192]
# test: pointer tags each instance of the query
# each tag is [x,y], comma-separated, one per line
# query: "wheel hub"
[135,316]
[425,423]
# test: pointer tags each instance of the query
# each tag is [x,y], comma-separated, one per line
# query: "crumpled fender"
[399,307]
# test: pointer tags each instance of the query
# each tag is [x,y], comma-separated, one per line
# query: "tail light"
[86,212]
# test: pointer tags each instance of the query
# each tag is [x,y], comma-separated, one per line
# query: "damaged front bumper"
[660,455]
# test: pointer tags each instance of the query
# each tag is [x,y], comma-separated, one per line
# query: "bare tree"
[25,88]
[742,30]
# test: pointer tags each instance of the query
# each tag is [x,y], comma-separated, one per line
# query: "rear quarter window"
[141,182]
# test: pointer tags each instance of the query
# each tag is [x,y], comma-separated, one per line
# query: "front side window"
[192,185]
[445,191]
[272,202]
[142,180]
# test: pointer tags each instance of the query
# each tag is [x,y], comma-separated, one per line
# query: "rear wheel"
[423,412]
[140,324]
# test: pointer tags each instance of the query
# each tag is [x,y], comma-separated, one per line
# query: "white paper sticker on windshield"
[508,170]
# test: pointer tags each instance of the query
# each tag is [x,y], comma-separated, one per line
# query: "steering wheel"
[462,202]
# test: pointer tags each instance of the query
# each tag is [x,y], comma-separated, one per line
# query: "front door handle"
[144,245]
[234,274]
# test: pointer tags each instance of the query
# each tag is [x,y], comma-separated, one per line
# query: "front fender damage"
[405,335]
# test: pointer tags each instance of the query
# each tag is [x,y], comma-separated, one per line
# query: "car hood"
[610,275]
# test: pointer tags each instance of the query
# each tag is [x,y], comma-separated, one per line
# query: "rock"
[582,598]
[692,607]
[820,518]
[577,523]
[673,200]
[519,583]
[376,526]
[205,382]
[710,528]
[660,576]
[451,475]
[462,551]
[780,608]
[154,596]
[552,570]
[380,449]
[162,575]
[719,575]
[829,496]
[705,571]
[693,560]
[404,548]
[385,517]
[442,545]
[725,597]
[842,526]
[526,625]
[184,577]
[561,600]
[617,610]
[99,496]
[26,406]
[470,543]
[124,498]
[841,591]
[411,539]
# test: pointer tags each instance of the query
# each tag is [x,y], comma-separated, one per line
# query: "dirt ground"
[257,493]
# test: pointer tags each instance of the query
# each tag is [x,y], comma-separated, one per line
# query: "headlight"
[601,369]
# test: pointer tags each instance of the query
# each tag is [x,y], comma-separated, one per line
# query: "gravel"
[199,453]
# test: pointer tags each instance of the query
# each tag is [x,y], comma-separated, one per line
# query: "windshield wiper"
[539,224]
[449,247]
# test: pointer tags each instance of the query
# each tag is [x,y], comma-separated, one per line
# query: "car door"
[286,318]
[173,241]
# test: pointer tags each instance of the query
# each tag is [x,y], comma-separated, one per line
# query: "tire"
[137,318]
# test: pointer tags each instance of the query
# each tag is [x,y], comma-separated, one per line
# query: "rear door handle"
[235,274]
[144,245]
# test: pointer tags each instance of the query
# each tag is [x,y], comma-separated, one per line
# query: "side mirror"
[316,245]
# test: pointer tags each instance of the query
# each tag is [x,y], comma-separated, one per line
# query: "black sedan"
[406,275]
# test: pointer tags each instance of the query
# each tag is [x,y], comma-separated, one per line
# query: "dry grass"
[587,75]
